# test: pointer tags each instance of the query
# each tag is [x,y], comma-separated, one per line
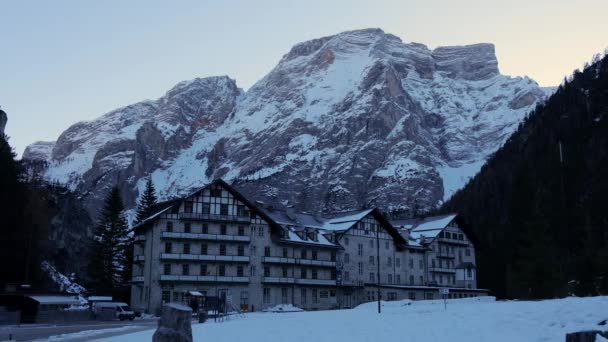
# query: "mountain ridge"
[355,119]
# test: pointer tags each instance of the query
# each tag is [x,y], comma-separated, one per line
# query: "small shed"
[33,306]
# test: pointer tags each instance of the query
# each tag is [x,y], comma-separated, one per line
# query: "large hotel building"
[215,242]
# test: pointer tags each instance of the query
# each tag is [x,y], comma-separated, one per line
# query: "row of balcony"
[442,270]
[204,257]
[199,278]
[294,261]
[268,280]
[214,217]
[446,255]
[211,237]
[453,241]
[300,281]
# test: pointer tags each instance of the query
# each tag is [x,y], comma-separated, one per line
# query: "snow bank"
[283,308]
[468,319]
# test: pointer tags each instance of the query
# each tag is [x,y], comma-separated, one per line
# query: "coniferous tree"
[12,202]
[538,205]
[109,246]
[146,202]
[145,205]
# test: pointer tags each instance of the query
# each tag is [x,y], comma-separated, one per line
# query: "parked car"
[114,310]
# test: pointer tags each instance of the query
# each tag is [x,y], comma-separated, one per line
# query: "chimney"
[290,212]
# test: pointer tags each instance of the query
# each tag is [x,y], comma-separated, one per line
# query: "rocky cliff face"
[351,120]
[39,151]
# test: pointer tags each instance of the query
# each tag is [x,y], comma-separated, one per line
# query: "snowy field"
[473,319]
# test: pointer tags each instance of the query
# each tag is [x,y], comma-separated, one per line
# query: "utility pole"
[378,265]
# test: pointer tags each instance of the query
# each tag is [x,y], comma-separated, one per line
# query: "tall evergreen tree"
[146,202]
[538,206]
[144,209]
[14,241]
[109,246]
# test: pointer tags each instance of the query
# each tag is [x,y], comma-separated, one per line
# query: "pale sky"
[68,61]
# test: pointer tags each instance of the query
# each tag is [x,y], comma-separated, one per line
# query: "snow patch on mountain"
[351,120]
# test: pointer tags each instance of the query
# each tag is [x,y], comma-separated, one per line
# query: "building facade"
[215,242]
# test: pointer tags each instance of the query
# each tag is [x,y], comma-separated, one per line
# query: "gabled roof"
[165,206]
[336,223]
[430,227]
[292,221]
[298,220]
[344,221]
[158,209]
[427,223]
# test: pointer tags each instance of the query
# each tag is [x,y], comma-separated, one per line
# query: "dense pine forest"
[540,205]
[40,221]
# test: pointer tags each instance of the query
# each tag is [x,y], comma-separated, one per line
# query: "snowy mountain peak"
[470,62]
[346,121]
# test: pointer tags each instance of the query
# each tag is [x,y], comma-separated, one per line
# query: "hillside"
[355,119]
[538,206]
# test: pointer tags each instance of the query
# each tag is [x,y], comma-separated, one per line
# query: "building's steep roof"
[427,223]
[293,222]
[287,218]
[425,228]
[344,221]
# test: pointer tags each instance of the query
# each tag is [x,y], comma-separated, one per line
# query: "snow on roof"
[55,299]
[153,216]
[435,222]
[415,234]
[100,298]
[428,227]
[302,220]
[346,220]
[321,239]
[297,222]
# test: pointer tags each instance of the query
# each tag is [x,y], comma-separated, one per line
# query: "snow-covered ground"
[472,319]
[84,334]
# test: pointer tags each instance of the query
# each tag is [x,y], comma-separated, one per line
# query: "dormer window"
[312,235]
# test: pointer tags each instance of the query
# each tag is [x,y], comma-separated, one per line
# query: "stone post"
[174,324]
